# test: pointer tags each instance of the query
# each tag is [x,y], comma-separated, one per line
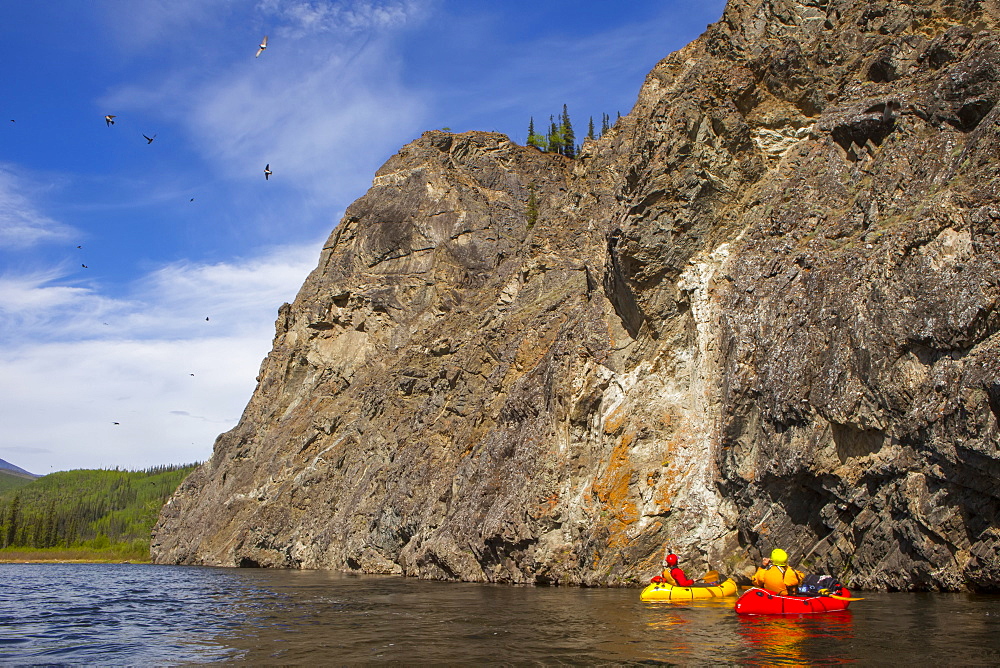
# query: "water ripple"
[157,615]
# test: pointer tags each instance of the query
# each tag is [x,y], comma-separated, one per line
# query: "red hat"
[671,559]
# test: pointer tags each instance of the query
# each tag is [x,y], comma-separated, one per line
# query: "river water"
[165,615]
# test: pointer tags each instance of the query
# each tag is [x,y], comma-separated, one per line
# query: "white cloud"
[324,107]
[140,25]
[191,25]
[172,380]
[309,18]
[170,302]
[31,293]
[36,307]
[21,224]
[183,295]
[311,126]
[61,400]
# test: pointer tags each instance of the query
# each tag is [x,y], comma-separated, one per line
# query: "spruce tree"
[531,210]
[555,137]
[590,128]
[535,139]
[568,137]
[12,521]
[604,124]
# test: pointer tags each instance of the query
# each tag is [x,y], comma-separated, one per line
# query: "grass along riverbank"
[84,554]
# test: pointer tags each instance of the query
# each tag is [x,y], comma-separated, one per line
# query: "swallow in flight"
[267,171]
[149,140]
[109,119]
[263,45]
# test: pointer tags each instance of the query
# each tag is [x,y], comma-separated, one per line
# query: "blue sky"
[189,251]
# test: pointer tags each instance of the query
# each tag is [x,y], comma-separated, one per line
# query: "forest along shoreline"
[99,516]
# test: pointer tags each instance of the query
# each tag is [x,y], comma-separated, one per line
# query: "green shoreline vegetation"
[80,554]
[85,516]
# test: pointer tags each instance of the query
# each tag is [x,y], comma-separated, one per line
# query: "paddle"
[842,598]
[711,577]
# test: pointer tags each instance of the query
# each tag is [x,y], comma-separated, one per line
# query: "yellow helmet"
[779,557]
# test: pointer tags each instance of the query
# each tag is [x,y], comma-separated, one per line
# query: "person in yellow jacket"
[775,575]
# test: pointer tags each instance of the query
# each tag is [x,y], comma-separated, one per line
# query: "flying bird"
[109,119]
[116,423]
[85,266]
[263,45]
[267,171]
[149,140]
[206,317]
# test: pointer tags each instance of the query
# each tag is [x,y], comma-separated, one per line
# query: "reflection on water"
[171,615]
[787,640]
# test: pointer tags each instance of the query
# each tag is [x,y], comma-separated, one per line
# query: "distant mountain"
[16,470]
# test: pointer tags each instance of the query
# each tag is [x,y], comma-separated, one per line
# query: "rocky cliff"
[760,311]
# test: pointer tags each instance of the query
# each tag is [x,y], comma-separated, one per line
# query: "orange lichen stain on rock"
[666,479]
[663,498]
[467,450]
[546,505]
[667,419]
[615,421]
[612,492]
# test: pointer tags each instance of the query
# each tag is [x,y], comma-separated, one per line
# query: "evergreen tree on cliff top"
[560,138]
[555,137]
[535,139]
[569,138]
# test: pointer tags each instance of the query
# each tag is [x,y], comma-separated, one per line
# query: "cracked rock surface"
[760,311]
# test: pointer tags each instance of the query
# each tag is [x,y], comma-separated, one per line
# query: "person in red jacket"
[676,572]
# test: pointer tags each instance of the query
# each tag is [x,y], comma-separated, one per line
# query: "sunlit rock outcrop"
[760,311]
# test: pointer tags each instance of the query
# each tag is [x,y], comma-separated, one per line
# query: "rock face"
[760,311]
